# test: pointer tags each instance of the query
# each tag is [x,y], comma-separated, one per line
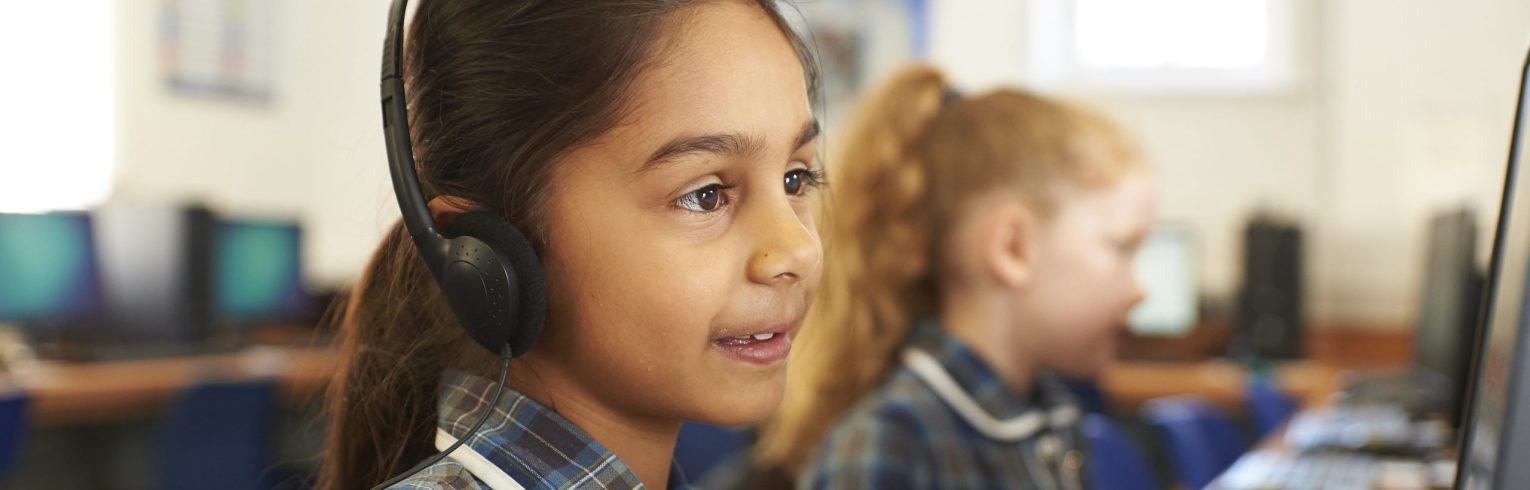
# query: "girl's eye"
[797,182]
[703,200]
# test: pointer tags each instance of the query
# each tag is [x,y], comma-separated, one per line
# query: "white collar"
[479,466]
[1015,428]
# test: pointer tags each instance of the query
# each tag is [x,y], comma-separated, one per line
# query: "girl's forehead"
[730,66]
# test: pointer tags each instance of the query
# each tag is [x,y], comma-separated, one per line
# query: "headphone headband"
[406,181]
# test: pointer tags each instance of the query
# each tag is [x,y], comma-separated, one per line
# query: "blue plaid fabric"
[534,445]
[904,435]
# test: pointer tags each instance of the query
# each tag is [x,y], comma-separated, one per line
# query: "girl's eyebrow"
[727,144]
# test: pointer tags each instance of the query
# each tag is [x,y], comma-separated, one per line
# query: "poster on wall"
[220,49]
[857,42]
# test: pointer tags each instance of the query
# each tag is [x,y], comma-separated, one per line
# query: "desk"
[99,392]
[1129,384]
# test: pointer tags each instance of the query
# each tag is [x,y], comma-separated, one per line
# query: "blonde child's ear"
[1007,245]
[443,209]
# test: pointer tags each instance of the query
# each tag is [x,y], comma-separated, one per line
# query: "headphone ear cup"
[521,262]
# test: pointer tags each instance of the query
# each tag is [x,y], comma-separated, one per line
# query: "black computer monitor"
[257,270]
[1447,319]
[48,271]
[1496,443]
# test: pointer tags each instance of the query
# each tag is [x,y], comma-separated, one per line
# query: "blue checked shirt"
[533,445]
[909,434]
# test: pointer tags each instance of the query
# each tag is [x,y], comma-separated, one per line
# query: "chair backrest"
[217,435]
[13,429]
[1088,395]
[701,448]
[1114,461]
[1267,405]
[1202,442]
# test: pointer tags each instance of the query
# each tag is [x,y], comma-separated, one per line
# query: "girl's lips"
[765,348]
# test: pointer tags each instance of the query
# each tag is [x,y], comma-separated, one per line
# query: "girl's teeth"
[758,337]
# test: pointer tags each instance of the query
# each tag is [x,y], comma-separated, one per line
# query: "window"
[1163,46]
[58,128]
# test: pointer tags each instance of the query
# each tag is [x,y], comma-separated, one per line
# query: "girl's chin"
[732,408]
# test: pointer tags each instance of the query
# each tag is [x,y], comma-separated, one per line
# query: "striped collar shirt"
[944,419]
[530,443]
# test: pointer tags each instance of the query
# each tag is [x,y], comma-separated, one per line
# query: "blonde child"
[976,249]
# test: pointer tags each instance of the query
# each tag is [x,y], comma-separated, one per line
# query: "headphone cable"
[504,372]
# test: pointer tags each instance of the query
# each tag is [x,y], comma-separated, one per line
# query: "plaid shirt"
[905,434]
[535,446]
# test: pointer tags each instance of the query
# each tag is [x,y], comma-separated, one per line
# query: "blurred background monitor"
[48,270]
[1166,271]
[1448,309]
[257,272]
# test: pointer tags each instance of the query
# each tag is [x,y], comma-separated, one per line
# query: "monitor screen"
[1497,439]
[47,268]
[1165,269]
[257,271]
[1448,304]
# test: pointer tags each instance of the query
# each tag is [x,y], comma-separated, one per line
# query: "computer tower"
[1269,320]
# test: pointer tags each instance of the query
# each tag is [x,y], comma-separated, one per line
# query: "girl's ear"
[444,209]
[1007,244]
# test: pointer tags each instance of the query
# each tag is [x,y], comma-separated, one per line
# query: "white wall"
[314,152]
[1420,105]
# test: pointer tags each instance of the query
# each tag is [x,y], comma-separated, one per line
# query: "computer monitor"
[48,272]
[1446,328]
[257,272]
[1166,270]
[1496,443]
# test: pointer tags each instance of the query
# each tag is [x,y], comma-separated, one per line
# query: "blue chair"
[1202,442]
[217,435]
[1089,396]
[13,425]
[1268,406]
[701,448]
[1114,461]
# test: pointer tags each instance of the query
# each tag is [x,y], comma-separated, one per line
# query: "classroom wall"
[1400,105]
[1420,106]
[315,152]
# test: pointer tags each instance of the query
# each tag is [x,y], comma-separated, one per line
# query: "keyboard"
[1374,428]
[1277,471]
[1281,470]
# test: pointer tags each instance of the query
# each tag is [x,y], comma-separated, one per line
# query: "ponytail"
[877,278]
[398,337]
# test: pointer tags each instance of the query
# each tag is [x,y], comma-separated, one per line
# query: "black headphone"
[486,268]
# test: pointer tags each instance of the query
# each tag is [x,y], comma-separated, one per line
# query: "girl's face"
[681,252]
[1082,286]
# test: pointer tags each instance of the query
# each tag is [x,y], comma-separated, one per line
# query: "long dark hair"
[498,92]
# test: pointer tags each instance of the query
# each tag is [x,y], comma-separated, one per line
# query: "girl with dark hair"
[661,157]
